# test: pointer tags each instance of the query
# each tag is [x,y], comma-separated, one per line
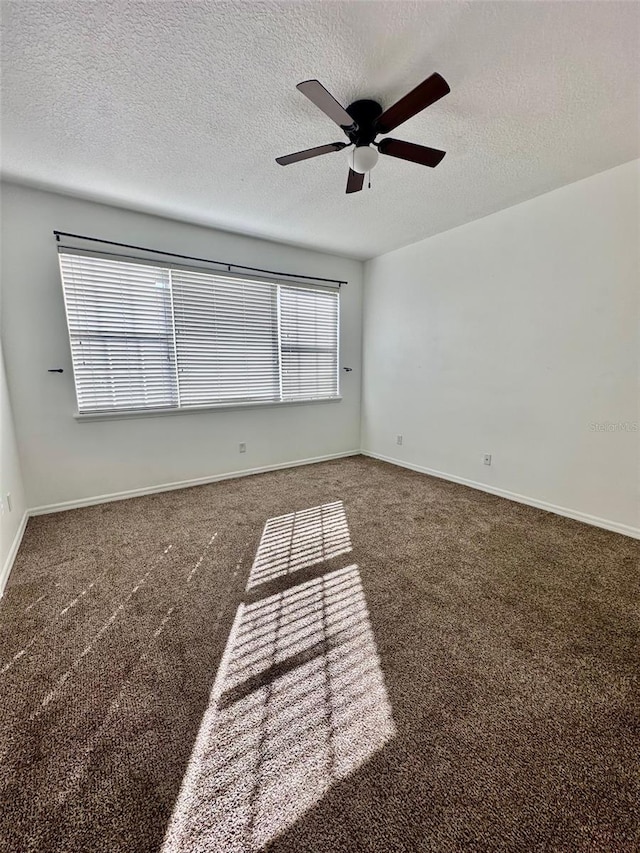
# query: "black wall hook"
[55,370]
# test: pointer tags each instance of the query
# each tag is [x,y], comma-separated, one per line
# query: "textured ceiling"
[180,108]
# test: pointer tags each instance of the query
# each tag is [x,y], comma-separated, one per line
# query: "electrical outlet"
[242,447]
[9,507]
[398,439]
[486,459]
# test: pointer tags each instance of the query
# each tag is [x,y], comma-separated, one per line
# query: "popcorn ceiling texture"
[181,107]
[459,673]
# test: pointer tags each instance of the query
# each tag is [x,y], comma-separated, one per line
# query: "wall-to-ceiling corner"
[517,335]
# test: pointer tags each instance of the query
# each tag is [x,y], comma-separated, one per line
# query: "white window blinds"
[309,343]
[154,337]
[226,339]
[120,328]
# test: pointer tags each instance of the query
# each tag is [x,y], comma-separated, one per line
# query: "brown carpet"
[343,657]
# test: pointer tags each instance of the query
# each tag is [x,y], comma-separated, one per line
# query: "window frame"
[160,411]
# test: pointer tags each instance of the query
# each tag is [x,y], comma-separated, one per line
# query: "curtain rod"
[59,234]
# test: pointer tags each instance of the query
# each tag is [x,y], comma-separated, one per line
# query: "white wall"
[66,460]
[12,496]
[512,335]
[12,519]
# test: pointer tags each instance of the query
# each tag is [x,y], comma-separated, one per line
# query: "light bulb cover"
[363,158]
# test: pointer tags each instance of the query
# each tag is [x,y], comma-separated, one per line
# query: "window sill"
[156,413]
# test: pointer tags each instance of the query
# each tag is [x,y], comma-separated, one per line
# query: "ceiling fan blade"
[409,151]
[427,93]
[310,152]
[355,182]
[317,94]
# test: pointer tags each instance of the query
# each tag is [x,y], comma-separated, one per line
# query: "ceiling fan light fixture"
[363,158]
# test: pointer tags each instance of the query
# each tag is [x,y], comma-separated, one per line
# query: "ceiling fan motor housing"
[364,113]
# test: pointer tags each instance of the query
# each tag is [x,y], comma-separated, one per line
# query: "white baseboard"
[8,563]
[594,520]
[182,484]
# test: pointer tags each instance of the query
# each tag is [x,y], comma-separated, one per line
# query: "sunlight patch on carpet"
[300,539]
[299,702]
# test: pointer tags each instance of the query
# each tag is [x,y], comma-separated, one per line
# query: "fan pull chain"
[369,180]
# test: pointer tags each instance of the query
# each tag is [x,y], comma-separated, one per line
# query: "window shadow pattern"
[300,539]
[299,702]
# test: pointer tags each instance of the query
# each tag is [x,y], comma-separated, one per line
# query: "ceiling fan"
[362,121]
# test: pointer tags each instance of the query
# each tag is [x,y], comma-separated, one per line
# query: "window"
[156,337]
